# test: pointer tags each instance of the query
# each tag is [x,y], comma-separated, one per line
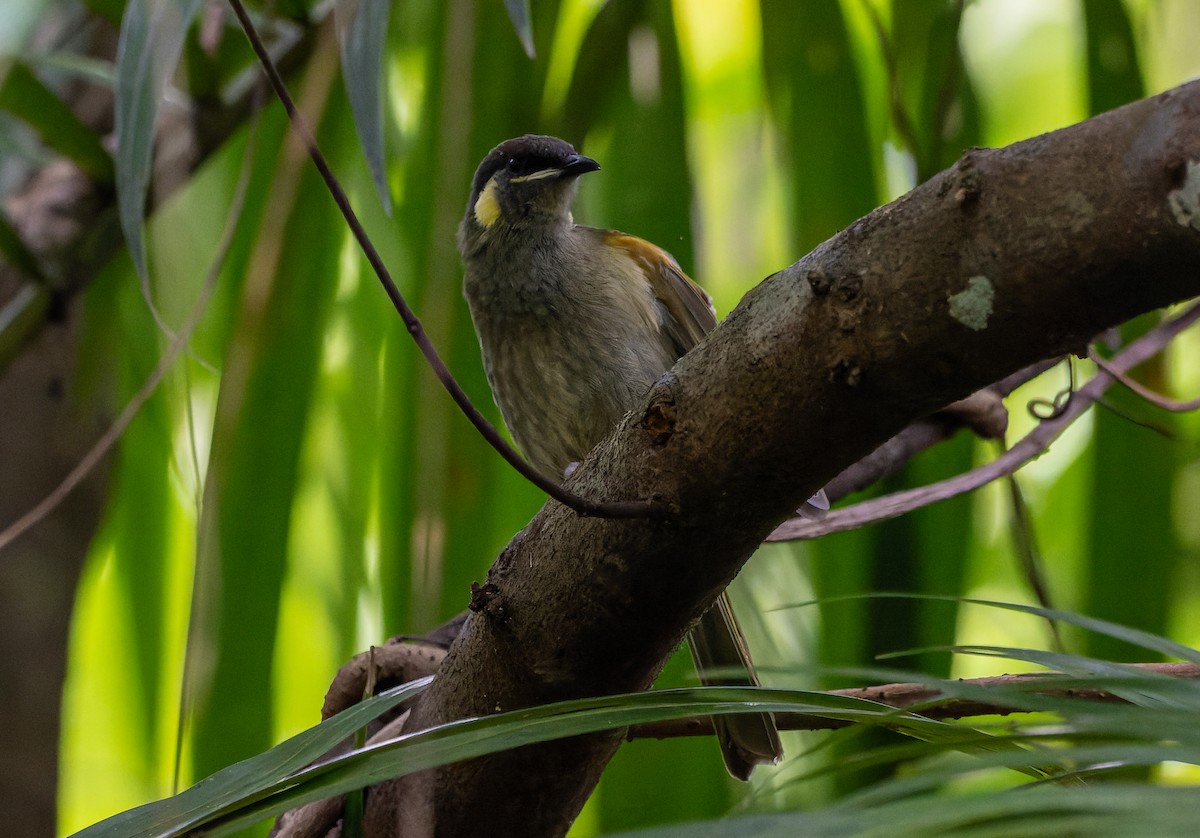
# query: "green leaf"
[152,33]
[1113,71]
[1131,569]
[1145,465]
[263,408]
[362,37]
[273,782]
[810,69]
[1134,637]
[110,10]
[518,13]
[276,780]
[936,96]
[25,96]
[233,786]
[600,71]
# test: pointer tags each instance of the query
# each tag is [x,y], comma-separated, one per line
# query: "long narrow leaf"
[238,782]
[1144,639]
[518,13]
[476,737]
[152,33]
[1109,810]
[362,37]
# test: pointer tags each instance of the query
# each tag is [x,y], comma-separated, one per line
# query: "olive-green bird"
[575,325]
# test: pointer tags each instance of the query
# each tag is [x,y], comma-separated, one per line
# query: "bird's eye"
[517,166]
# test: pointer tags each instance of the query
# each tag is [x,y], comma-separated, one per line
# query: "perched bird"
[575,325]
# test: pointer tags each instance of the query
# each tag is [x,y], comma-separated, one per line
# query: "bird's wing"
[688,311]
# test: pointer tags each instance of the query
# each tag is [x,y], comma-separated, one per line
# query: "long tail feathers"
[722,659]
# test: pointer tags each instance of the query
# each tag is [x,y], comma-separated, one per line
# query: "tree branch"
[1030,446]
[1157,399]
[983,411]
[1010,256]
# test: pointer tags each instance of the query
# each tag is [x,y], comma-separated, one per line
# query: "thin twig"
[581,505]
[1155,398]
[1033,444]
[1026,548]
[893,455]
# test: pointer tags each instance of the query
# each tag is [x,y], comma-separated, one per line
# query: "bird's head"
[522,181]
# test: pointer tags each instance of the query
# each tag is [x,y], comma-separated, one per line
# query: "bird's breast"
[570,344]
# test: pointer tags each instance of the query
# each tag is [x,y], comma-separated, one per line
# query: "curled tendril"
[1044,409]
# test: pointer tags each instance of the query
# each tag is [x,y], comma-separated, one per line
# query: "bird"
[575,325]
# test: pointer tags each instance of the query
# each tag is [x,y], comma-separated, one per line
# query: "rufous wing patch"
[690,309]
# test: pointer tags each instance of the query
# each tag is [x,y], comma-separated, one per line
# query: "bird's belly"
[561,391]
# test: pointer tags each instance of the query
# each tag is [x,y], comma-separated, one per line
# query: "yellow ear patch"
[487,208]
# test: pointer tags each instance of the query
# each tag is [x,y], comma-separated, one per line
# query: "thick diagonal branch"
[1011,256]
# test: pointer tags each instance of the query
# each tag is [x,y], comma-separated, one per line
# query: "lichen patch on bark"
[973,306]
[1185,201]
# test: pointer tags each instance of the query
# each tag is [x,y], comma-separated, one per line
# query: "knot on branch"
[1184,200]
[849,287]
[380,668]
[659,420]
[964,183]
[846,371]
[819,281]
[485,599]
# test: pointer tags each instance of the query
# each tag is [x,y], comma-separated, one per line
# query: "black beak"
[579,165]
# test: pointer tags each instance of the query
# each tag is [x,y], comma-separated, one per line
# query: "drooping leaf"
[1103,810]
[1113,70]
[1090,735]
[1142,463]
[263,408]
[810,70]
[276,780]
[233,786]
[936,99]
[362,38]
[152,33]
[518,13]
[599,71]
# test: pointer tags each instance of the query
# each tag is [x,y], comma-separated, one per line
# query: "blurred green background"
[303,467]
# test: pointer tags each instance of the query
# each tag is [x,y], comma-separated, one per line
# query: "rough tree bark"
[1010,256]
